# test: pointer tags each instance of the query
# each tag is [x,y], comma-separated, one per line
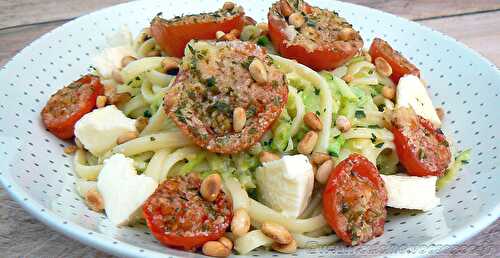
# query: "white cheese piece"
[286,185]
[99,129]
[411,192]
[110,59]
[411,92]
[122,190]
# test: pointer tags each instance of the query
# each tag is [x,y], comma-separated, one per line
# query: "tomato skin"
[332,197]
[419,137]
[63,126]
[320,59]
[179,217]
[173,38]
[399,64]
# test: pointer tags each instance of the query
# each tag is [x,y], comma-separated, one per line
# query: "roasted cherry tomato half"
[354,200]
[173,35]
[69,104]
[179,217]
[399,64]
[422,149]
[210,87]
[315,37]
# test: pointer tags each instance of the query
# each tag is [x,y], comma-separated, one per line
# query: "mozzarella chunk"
[411,192]
[110,58]
[122,190]
[99,129]
[286,184]
[411,92]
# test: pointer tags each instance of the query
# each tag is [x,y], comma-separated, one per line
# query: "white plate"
[37,174]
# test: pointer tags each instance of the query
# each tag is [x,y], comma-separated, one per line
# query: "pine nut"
[211,187]
[127,137]
[264,28]
[117,76]
[266,156]
[234,34]
[70,149]
[119,98]
[215,249]
[239,119]
[276,232]
[127,60]
[343,124]
[296,19]
[141,123]
[219,34]
[170,63]
[287,249]
[286,9]
[153,53]
[382,67]
[306,145]
[240,223]
[318,158]
[228,6]
[258,71]
[94,200]
[346,34]
[440,113]
[313,121]
[226,242]
[101,101]
[347,78]
[378,100]
[388,92]
[324,171]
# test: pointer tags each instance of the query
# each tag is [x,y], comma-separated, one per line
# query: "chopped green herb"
[311,23]
[263,41]
[316,91]
[210,82]
[379,145]
[191,49]
[421,154]
[359,114]
[276,100]
[247,62]
[373,138]
[152,138]
[179,115]
[147,113]
[222,107]
[251,111]
[317,113]
[445,143]
[373,126]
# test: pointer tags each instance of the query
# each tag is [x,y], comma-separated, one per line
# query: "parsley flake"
[359,114]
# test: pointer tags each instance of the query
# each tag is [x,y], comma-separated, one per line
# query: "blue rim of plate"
[121,248]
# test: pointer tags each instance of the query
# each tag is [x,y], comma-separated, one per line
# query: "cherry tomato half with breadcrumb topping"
[179,217]
[172,35]
[354,200]
[399,64]
[315,37]
[422,148]
[69,104]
